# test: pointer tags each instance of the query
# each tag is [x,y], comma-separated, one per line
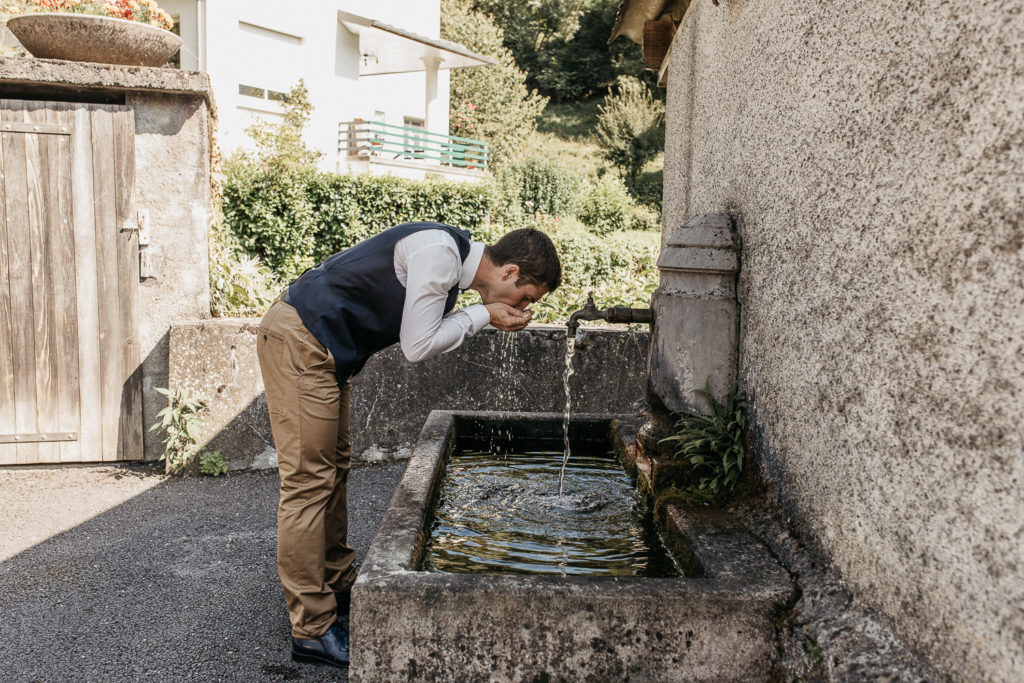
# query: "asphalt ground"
[176,583]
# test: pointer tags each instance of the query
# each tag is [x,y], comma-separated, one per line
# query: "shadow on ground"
[179,582]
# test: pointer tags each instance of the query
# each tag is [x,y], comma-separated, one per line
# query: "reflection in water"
[501,513]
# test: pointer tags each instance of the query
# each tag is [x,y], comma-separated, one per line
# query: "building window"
[277,96]
[250,91]
[414,144]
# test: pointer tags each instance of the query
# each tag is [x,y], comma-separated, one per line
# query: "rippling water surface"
[501,513]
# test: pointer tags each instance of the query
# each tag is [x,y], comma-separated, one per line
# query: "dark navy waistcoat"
[352,302]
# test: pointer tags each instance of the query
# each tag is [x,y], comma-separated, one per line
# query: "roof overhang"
[385,49]
[633,14]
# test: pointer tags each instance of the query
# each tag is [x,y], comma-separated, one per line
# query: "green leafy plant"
[606,206]
[212,463]
[631,128]
[645,218]
[280,146]
[713,443]
[181,422]
[240,284]
[541,186]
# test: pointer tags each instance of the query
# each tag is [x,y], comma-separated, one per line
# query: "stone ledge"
[58,74]
[391,397]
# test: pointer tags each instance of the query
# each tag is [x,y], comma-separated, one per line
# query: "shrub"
[619,269]
[240,285]
[645,218]
[505,112]
[631,128]
[213,464]
[270,214]
[648,188]
[541,186]
[349,208]
[606,206]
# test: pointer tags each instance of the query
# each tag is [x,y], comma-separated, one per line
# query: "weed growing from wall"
[212,463]
[181,422]
[713,443]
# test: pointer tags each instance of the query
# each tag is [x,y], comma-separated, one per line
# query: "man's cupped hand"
[508,319]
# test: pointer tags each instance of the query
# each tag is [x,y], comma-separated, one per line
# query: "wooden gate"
[70,375]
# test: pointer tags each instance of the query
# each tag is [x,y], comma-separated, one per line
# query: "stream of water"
[570,348]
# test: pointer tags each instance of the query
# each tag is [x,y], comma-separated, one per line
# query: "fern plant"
[713,443]
[181,422]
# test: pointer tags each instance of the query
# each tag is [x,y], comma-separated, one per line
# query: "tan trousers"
[309,417]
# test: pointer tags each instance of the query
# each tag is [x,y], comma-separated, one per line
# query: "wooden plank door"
[70,376]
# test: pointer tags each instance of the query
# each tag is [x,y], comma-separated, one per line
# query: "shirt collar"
[471,264]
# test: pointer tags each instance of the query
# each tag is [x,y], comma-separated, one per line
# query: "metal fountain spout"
[612,314]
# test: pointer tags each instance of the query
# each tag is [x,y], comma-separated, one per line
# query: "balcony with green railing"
[371,139]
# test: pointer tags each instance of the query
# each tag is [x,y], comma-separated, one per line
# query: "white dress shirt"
[428,265]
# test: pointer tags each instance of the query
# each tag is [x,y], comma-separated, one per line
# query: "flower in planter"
[142,11]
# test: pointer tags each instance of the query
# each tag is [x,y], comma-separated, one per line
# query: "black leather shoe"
[330,648]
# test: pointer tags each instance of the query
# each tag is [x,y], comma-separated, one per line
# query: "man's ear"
[510,270]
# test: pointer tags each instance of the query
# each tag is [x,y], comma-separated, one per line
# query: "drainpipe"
[696,336]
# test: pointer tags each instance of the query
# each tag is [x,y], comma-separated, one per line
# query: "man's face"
[505,290]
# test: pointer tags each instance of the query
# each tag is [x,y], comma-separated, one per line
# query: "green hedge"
[295,219]
[292,219]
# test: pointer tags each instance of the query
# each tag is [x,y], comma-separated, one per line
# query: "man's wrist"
[479,316]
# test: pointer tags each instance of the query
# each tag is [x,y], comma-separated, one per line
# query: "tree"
[631,128]
[279,146]
[534,29]
[503,110]
[562,45]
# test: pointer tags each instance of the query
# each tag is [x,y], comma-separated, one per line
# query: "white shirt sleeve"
[429,265]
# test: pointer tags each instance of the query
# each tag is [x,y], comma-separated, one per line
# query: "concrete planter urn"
[90,38]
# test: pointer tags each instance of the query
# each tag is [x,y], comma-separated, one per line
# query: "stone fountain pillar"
[696,332]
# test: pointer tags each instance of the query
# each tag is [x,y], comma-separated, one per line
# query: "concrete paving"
[178,582]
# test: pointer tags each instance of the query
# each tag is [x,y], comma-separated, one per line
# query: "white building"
[380,63]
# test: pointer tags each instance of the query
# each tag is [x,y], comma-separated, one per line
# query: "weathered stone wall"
[872,156]
[391,397]
[172,162]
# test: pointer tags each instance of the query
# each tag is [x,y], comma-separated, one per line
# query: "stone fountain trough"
[712,623]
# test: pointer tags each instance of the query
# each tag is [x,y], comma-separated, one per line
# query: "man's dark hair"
[533,252]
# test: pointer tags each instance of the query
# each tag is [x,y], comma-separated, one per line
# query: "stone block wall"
[872,158]
[392,397]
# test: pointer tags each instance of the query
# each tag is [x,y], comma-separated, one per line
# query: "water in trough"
[499,511]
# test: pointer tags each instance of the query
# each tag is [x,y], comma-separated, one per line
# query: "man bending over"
[398,286]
